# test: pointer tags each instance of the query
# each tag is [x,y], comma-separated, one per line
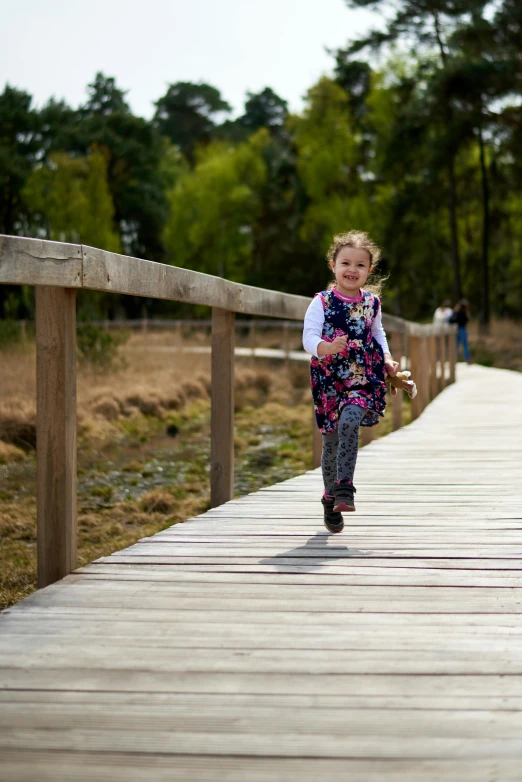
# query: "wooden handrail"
[57,269]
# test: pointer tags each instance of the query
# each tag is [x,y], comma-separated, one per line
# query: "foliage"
[328,154]
[264,109]
[98,348]
[10,332]
[214,206]
[185,114]
[18,153]
[72,198]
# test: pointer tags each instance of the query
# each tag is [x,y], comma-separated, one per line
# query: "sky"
[55,47]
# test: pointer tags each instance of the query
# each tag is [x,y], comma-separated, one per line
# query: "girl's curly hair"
[360,241]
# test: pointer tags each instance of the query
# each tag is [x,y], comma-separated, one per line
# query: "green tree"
[58,128]
[104,97]
[186,114]
[214,207]
[19,148]
[427,24]
[354,76]
[263,109]
[480,79]
[328,155]
[71,194]
[134,151]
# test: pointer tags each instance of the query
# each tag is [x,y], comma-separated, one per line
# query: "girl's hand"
[331,348]
[338,345]
[392,367]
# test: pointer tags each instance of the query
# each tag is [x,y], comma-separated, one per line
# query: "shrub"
[108,408]
[18,431]
[10,453]
[98,348]
[10,332]
[148,403]
[158,501]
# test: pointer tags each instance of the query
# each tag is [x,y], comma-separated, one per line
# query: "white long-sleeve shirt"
[314,322]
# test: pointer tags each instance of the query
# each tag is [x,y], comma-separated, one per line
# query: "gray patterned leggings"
[340,448]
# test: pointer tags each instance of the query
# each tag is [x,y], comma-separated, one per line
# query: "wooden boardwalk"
[248,645]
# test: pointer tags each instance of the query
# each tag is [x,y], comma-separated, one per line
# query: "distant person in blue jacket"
[461,316]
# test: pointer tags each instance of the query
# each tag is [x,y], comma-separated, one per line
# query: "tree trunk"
[485,310]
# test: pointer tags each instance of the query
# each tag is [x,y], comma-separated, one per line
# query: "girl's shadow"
[313,555]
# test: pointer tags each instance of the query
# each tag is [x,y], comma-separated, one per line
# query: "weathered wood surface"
[40,262]
[247,644]
[222,417]
[56,432]
[107,271]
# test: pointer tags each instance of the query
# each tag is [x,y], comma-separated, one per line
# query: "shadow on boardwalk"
[315,553]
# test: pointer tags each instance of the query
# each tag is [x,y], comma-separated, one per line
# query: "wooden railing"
[57,270]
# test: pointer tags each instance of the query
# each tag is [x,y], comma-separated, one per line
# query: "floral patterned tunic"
[355,376]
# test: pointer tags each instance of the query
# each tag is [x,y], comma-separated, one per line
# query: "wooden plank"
[180,658]
[56,432]
[425,384]
[466,687]
[40,262]
[432,354]
[193,631]
[222,408]
[60,766]
[257,725]
[181,701]
[116,273]
[443,342]
[394,576]
[101,609]
[452,357]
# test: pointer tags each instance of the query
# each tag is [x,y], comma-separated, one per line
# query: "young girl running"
[350,358]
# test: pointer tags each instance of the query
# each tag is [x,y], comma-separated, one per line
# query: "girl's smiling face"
[351,268]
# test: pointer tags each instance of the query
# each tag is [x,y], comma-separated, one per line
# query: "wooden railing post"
[442,358]
[432,345]
[452,356]
[424,372]
[222,407]
[396,401]
[415,365]
[56,432]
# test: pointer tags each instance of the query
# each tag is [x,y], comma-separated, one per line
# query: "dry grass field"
[501,348]
[144,445]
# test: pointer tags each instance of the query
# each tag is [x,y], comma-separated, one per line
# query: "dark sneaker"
[333,521]
[344,497]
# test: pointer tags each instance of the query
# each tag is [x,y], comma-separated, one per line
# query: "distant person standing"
[460,316]
[442,314]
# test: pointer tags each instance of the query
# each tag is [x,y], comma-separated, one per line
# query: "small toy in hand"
[402,382]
